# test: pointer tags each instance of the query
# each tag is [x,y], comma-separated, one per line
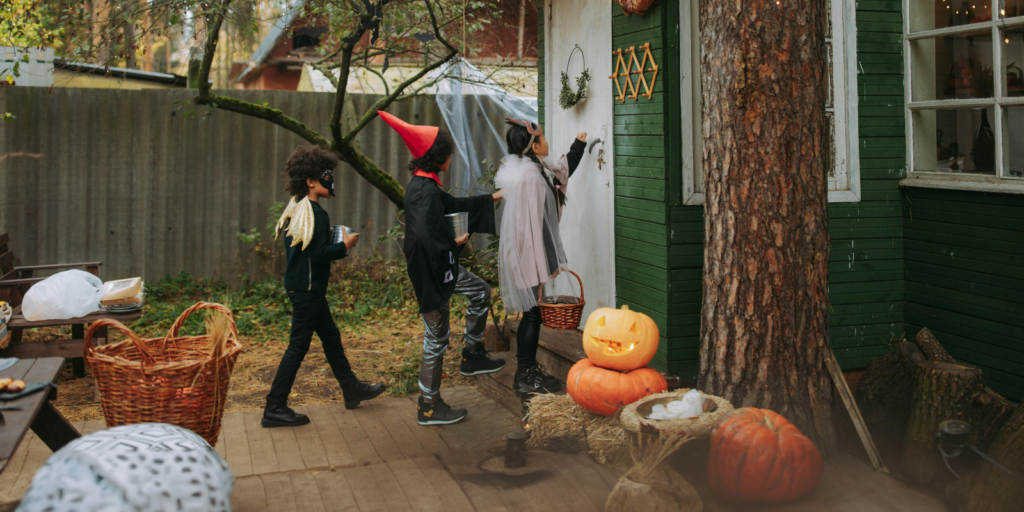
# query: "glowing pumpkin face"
[620,339]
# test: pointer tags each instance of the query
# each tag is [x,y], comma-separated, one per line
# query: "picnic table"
[72,348]
[35,410]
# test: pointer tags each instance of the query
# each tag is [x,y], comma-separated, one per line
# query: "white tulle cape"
[530,249]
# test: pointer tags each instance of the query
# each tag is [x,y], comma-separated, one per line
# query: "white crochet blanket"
[137,468]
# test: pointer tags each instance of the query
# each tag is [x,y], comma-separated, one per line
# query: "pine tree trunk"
[944,391]
[988,415]
[990,489]
[931,347]
[884,395]
[764,326]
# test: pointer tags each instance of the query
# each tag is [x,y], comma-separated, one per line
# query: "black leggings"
[528,338]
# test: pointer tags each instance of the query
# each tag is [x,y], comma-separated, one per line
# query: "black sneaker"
[534,380]
[479,363]
[360,392]
[280,415]
[439,414]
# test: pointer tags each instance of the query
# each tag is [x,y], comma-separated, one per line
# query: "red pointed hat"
[417,138]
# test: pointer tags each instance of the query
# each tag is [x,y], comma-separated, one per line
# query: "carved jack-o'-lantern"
[620,339]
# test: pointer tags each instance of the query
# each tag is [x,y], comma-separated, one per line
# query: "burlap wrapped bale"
[663,490]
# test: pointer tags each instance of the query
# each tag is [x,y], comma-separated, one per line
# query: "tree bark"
[931,347]
[988,415]
[764,329]
[944,391]
[990,489]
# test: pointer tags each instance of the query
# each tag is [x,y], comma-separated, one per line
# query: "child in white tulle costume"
[530,249]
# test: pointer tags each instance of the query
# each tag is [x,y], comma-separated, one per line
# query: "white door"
[588,221]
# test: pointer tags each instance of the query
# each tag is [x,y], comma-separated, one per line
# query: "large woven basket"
[634,417]
[178,380]
[555,314]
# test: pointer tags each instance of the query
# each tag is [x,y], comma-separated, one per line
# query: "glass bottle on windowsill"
[984,152]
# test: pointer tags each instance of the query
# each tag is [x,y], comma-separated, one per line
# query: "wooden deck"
[377,458]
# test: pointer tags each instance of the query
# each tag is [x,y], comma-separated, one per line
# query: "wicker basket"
[561,316]
[178,380]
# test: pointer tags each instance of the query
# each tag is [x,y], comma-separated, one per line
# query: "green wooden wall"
[965,278]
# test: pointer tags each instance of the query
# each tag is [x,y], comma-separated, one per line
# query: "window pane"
[933,14]
[952,67]
[1013,141]
[1013,8]
[958,140]
[1013,57]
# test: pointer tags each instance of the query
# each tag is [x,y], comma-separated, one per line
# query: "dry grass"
[556,420]
[384,356]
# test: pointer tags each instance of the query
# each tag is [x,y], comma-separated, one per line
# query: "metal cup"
[458,223]
[336,233]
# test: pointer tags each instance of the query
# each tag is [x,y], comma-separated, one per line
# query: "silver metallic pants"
[435,341]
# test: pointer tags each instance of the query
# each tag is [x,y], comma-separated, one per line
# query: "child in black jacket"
[309,254]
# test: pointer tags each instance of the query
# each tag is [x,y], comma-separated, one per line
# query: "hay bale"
[634,416]
[557,423]
[664,491]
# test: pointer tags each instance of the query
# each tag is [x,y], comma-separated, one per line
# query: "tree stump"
[945,391]
[931,347]
[884,396]
[989,488]
[988,415]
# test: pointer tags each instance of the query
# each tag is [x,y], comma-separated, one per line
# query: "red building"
[292,42]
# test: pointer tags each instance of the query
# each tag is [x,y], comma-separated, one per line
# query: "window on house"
[965,93]
[840,109]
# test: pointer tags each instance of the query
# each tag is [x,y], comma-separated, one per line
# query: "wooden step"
[498,386]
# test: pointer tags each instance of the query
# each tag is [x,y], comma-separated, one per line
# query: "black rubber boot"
[438,413]
[534,380]
[358,391]
[528,338]
[280,415]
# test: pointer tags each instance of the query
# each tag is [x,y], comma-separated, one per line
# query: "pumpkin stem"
[625,306]
[768,423]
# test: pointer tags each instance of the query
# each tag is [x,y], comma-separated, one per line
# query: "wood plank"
[364,488]
[378,435]
[289,458]
[261,446]
[451,494]
[311,447]
[279,491]
[363,450]
[419,490]
[335,491]
[236,444]
[93,426]
[390,487]
[389,412]
[307,492]
[249,495]
[581,470]
[335,447]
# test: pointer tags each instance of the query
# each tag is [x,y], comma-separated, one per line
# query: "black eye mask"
[327,181]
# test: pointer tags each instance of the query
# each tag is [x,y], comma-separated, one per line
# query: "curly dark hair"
[436,156]
[307,162]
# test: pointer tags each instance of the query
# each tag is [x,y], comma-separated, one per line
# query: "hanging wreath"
[567,98]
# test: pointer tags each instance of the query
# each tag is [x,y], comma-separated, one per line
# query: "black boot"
[357,391]
[439,413]
[534,380]
[479,363]
[280,415]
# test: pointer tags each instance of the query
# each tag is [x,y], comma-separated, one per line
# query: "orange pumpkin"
[620,339]
[604,392]
[759,456]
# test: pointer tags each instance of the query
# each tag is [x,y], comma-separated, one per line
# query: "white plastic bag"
[68,294]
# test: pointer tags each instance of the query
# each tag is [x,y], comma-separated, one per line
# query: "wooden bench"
[33,411]
[15,282]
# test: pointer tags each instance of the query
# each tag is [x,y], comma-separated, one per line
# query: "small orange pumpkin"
[620,339]
[759,456]
[604,392]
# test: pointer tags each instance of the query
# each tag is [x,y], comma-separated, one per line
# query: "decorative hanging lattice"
[626,70]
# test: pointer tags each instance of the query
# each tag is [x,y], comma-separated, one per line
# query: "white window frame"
[961,181]
[844,76]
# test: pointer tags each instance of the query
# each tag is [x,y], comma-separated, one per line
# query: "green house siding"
[965,278]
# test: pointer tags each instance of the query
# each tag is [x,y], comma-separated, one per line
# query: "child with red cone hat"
[431,254]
